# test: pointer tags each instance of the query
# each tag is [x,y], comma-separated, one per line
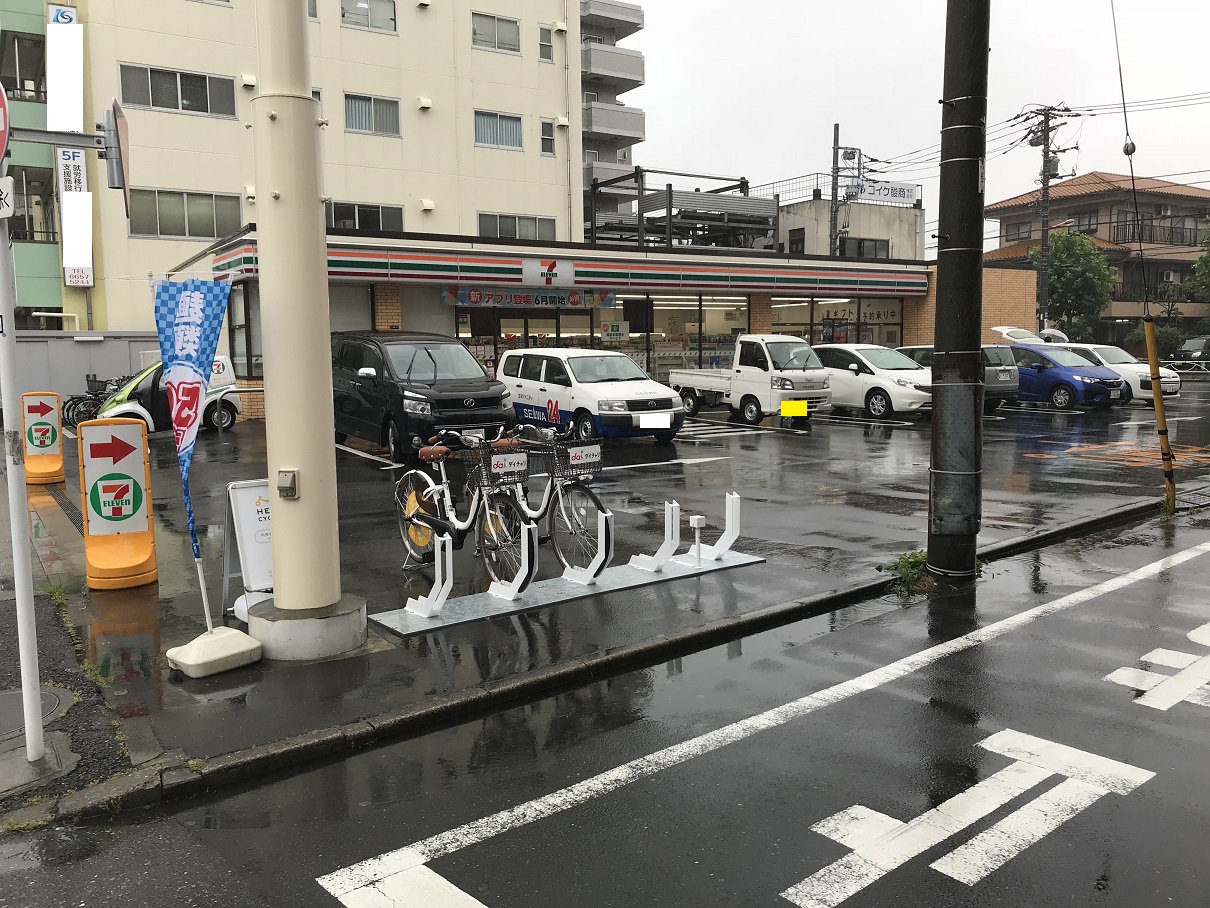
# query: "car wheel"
[690,402]
[878,405]
[1062,397]
[341,438]
[750,411]
[586,426]
[396,445]
[219,417]
[664,437]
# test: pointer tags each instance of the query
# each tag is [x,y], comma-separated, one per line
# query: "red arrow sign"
[41,408]
[115,449]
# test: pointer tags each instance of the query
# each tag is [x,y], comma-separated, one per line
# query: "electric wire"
[1129,148]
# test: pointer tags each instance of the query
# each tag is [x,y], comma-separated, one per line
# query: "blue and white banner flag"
[189,316]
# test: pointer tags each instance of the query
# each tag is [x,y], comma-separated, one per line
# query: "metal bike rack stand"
[222,396]
[443,580]
[714,552]
[529,567]
[604,555]
[672,541]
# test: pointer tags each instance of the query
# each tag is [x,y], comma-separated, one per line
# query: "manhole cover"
[1187,501]
[55,702]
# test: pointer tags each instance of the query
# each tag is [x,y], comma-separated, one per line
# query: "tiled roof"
[1020,251]
[1096,183]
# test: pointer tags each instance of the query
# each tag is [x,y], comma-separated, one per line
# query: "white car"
[878,380]
[1023,336]
[1136,374]
[602,393]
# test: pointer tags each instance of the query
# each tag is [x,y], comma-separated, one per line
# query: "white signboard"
[881,192]
[73,175]
[253,532]
[510,463]
[584,455]
[615,331]
[80,277]
[115,475]
[43,434]
[7,208]
[58,14]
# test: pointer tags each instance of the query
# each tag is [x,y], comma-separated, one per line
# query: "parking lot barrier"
[222,396]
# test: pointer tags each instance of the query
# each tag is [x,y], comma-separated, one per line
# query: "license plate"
[584,456]
[1114,395]
[655,420]
[510,463]
[1004,374]
[474,433]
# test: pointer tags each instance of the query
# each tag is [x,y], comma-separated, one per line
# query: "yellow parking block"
[795,408]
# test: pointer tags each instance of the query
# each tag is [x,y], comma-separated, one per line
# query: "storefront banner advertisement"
[542,298]
[189,316]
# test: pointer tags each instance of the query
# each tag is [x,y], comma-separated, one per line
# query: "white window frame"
[495,46]
[554,223]
[183,192]
[393,30]
[374,132]
[495,113]
[590,97]
[550,30]
[542,137]
[178,109]
[586,38]
[591,156]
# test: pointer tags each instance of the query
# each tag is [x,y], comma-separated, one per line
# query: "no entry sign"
[115,483]
[43,435]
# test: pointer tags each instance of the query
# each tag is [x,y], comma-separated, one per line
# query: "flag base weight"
[219,650]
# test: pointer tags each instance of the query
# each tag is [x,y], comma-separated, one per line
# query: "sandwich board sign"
[43,431]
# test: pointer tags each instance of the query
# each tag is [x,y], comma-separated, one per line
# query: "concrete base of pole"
[297,634]
[952,557]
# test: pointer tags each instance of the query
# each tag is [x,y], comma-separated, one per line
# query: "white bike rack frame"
[730,534]
[604,555]
[443,580]
[672,541]
[529,567]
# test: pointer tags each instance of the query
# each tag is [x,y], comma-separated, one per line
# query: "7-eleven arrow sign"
[115,477]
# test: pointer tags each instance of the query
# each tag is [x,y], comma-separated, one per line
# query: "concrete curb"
[180,778]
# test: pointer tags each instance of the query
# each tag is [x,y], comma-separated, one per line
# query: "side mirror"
[854,368]
[368,372]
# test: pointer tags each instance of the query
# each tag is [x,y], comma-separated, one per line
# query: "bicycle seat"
[506,444]
[434,453]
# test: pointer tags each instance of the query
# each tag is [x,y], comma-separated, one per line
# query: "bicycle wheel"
[574,529]
[417,495]
[500,534]
[85,409]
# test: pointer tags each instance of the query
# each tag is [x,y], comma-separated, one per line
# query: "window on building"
[243,315]
[376,14]
[313,9]
[166,89]
[33,219]
[798,240]
[379,116]
[23,66]
[591,155]
[365,218]
[1085,222]
[856,247]
[546,43]
[1016,232]
[516,227]
[189,215]
[497,130]
[548,137]
[590,97]
[591,39]
[495,33]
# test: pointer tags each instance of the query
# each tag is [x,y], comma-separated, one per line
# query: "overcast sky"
[752,88]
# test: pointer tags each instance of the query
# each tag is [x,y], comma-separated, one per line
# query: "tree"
[1167,339]
[1198,285]
[1080,284]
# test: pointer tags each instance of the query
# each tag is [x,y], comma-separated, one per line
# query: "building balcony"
[1159,234]
[1157,291]
[619,67]
[609,170]
[624,18]
[620,125]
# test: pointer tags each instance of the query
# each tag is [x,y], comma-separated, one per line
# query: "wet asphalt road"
[725,814]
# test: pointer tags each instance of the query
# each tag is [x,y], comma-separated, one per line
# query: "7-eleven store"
[665,309]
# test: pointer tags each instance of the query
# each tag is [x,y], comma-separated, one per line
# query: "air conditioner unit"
[1163,211]
[1171,277]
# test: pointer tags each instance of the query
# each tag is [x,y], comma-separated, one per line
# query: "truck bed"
[701,379]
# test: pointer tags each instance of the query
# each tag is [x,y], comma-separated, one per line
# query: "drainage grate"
[1188,501]
[70,508]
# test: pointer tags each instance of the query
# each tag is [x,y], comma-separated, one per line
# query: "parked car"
[145,397]
[1064,378]
[603,393]
[1196,349]
[765,370]
[1018,335]
[1136,374]
[1001,381]
[878,380]
[397,389]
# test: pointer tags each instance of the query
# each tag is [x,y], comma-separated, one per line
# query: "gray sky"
[752,89]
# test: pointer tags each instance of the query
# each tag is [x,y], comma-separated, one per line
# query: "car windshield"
[885,358]
[1193,346]
[998,356]
[1068,357]
[1114,355]
[1020,334]
[434,362]
[793,355]
[589,370]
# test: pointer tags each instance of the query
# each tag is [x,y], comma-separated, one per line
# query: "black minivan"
[393,388]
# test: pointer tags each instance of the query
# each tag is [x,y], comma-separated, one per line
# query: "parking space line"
[350,879]
[373,457]
[68,432]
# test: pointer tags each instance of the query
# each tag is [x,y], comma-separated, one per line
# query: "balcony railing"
[1158,291]
[608,170]
[625,125]
[1127,233]
[618,66]
[624,18]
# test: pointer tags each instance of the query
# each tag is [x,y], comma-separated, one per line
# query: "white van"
[601,393]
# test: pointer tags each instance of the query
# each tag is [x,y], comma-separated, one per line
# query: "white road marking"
[68,432]
[416,887]
[1169,658]
[1151,422]
[1173,690]
[1101,772]
[1162,692]
[373,457]
[349,879]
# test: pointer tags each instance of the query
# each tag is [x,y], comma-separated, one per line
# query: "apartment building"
[1155,248]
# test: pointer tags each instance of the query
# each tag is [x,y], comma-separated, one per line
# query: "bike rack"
[604,555]
[443,580]
[672,541]
[529,567]
[233,389]
[730,534]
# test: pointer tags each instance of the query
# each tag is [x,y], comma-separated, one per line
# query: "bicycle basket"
[96,384]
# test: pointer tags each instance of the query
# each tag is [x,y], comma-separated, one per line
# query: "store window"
[243,318]
[495,33]
[378,15]
[166,89]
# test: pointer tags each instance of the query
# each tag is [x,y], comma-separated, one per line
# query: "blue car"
[1064,378]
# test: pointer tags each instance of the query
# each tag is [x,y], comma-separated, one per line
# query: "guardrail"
[222,396]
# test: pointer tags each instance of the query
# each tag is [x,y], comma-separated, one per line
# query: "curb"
[180,778]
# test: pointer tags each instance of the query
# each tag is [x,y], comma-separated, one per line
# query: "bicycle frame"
[454,526]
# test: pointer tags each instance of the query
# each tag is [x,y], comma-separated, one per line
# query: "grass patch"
[195,766]
[912,570]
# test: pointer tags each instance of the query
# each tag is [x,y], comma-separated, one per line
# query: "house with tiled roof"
[1159,245]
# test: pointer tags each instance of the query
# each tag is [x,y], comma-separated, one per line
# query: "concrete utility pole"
[1044,211]
[307,617]
[834,208]
[956,475]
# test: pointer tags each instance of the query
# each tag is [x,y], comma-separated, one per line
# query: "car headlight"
[1086,380]
[419,407]
[827,383]
[506,396]
[904,383]
[781,384]
[611,406]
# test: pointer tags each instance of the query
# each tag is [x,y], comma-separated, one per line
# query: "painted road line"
[1151,422]
[1091,769]
[373,457]
[416,887]
[1176,688]
[68,432]
[1162,692]
[349,879]
[1169,658]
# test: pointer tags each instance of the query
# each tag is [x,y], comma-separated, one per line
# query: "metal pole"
[834,207]
[1161,418]
[668,226]
[294,311]
[1044,210]
[956,481]
[18,504]
[700,332]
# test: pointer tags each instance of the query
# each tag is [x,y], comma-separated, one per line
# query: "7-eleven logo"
[41,435]
[116,496]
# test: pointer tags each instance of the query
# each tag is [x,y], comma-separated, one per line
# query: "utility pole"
[834,209]
[956,473]
[1044,211]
